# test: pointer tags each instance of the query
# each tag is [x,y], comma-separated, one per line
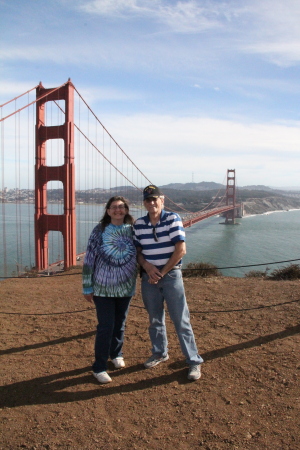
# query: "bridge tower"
[230,197]
[44,222]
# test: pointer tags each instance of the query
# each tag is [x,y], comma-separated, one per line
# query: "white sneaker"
[118,362]
[154,360]
[194,372]
[102,377]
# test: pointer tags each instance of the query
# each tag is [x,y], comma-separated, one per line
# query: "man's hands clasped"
[154,273]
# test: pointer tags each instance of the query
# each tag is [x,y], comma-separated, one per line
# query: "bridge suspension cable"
[29,104]
[16,98]
[102,169]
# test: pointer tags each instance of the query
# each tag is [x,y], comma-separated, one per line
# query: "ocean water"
[258,240]
[254,240]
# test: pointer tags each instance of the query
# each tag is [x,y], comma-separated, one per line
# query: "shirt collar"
[162,216]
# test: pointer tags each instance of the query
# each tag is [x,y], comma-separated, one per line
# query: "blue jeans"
[170,288]
[111,314]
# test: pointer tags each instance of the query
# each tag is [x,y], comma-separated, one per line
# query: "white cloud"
[13,88]
[166,148]
[221,135]
[119,7]
[217,59]
[95,94]
[268,28]
[187,15]
[275,31]
[283,54]
[202,32]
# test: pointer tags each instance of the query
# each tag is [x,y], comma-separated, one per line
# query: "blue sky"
[187,88]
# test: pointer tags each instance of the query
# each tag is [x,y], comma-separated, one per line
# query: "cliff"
[263,205]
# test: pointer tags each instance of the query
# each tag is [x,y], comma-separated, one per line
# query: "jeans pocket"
[174,274]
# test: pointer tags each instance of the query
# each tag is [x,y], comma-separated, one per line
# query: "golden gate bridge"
[54,149]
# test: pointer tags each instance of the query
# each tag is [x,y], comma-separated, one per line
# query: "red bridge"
[230,210]
[56,152]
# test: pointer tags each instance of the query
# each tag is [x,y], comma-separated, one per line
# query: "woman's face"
[117,211]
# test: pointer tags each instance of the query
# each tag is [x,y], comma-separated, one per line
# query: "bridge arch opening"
[55,152]
[55,197]
[55,248]
[54,112]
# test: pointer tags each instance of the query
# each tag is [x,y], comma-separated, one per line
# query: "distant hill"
[211,186]
[257,187]
[287,188]
[202,186]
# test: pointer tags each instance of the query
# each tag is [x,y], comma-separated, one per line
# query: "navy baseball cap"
[151,191]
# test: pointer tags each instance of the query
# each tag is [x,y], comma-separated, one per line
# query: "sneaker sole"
[155,363]
[104,381]
[194,378]
[118,364]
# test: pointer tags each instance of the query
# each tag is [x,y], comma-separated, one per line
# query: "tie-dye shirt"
[109,268]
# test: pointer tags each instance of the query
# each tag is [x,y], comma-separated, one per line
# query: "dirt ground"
[247,331]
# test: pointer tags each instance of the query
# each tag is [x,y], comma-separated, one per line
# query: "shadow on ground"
[52,388]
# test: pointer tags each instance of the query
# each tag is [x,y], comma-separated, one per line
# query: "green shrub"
[30,272]
[291,272]
[256,274]
[201,269]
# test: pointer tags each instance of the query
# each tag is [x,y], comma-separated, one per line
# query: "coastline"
[256,206]
[270,212]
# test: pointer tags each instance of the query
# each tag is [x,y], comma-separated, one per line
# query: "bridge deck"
[209,213]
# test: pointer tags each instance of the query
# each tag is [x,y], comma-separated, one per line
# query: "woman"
[109,276]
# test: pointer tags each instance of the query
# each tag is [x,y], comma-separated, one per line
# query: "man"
[160,241]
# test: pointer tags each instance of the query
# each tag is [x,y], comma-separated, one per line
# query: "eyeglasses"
[114,208]
[151,199]
[154,234]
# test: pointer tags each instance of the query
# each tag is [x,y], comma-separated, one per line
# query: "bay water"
[257,241]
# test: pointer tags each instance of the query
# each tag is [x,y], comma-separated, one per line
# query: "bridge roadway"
[201,215]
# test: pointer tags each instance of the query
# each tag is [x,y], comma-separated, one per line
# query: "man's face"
[154,205]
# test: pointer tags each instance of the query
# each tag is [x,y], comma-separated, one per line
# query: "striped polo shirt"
[168,231]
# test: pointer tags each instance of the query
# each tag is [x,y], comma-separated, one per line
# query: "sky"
[187,88]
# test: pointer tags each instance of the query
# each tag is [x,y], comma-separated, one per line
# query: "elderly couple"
[157,242]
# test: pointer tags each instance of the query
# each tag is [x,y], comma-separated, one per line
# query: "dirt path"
[247,331]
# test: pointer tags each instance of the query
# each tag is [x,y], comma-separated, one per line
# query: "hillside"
[190,196]
[202,186]
[247,331]
[263,205]
[255,202]
[256,199]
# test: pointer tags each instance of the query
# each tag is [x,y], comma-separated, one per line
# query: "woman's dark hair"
[106,219]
